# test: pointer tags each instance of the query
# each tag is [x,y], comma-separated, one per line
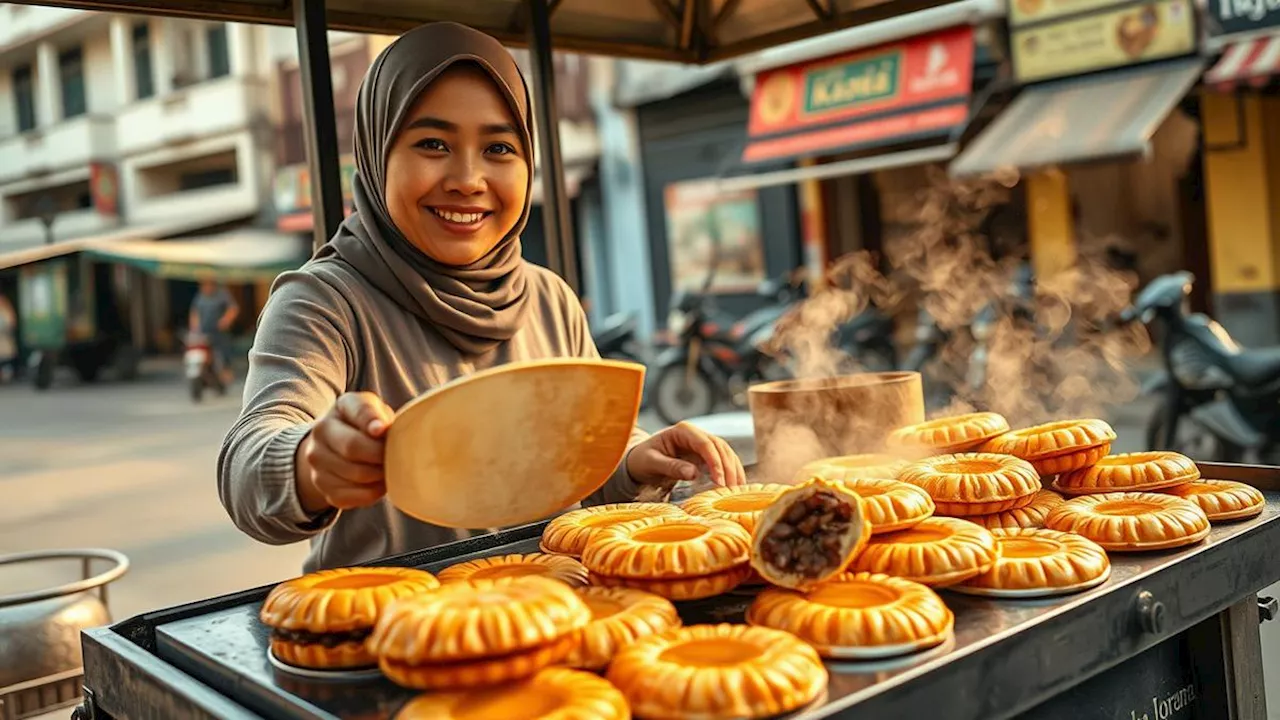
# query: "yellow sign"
[1025,12]
[1136,33]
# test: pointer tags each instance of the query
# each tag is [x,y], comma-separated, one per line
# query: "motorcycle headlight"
[677,321]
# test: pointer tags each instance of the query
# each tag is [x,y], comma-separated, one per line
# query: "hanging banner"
[1233,17]
[890,92]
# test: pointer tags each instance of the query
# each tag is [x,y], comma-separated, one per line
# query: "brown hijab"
[477,306]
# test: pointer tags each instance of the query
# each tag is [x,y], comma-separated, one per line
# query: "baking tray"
[1007,656]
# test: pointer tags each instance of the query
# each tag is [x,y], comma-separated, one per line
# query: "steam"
[1067,361]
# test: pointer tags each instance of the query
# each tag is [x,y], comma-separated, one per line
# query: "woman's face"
[457,173]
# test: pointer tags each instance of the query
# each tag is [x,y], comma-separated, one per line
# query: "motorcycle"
[1229,395]
[201,373]
[615,339]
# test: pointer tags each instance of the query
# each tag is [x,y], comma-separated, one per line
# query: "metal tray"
[1007,656]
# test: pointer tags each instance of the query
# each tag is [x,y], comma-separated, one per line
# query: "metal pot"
[40,630]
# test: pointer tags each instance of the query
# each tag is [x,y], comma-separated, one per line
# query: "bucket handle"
[120,565]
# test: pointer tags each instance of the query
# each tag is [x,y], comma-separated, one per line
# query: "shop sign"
[104,188]
[1099,39]
[293,186]
[818,106]
[709,231]
[1229,17]
[42,302]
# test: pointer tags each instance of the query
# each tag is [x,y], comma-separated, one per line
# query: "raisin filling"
[329,640]
[808,539]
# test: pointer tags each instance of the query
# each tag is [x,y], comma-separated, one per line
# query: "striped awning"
[1251,62]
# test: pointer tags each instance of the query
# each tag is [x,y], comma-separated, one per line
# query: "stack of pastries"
[846,561]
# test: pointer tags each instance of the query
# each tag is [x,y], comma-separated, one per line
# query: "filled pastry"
[568,534]
[552,694]
[939,552]
[1028,516]
[1129,472]
[974,483]
[679,558]
[845,467]
[1132,521]
[1056,447]
[1036,562]
[619,617]
[557,567]
[890,505]
[1222,500]
[743,504]
[958,433]
[810,533]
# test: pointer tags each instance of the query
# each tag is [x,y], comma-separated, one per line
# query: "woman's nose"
[464,176]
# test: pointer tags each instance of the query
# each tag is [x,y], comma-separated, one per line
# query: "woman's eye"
[501,149]
[432,144]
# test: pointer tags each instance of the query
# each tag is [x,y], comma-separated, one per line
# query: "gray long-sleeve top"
[326,330]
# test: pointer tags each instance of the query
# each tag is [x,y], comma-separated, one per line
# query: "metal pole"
[319,124]
[556,220]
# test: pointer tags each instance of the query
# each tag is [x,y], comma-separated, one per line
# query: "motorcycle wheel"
[675,400]
[1191,440]
[197,389]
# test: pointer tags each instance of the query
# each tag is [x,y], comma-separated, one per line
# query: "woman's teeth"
[457,217]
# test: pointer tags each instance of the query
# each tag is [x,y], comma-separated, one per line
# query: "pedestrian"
[8,339]
[213,311]
[423,283]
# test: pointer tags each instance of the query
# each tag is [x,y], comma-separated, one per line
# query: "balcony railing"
[202,110]
[66,145]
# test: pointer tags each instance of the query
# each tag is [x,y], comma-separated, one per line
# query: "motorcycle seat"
[1256,367]
[614,328]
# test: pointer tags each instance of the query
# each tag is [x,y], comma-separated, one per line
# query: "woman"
[422,284]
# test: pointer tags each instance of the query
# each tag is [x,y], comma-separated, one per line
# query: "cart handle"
[85,555]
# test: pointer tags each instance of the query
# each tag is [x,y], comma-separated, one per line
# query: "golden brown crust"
[315,656]
[568,534]
[1222,500]
[1043,559]
[1131,521]
[974,483]
[667,547]
[1052,439]
[857,610]
[478,619]
[619,616]
[341,599]
[1030,516]
[743,504]
[551,694]
[718,672]
[852,540]
[1129,472]
[1051,466]
[680,589]
[957,433]
[847,467]
[938,552]
[473,673]
[557,567]
[891,505]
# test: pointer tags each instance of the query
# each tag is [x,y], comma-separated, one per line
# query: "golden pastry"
[938,552]
[557,567]
[890,505]
[1036,562]
[1030,516]
[552,694]
[1056,447]
[845,467]
[619,616]
[810,533]
[568,534]
[1129,472]
[1132,521]
[1222,499]
[478,632]
[718,672]
[743,504]
[959,433]
[858,616]
[681,558]
[321,620]
[974,483]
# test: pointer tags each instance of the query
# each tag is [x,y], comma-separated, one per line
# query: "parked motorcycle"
[1218,400]
[201,371]
[615,339]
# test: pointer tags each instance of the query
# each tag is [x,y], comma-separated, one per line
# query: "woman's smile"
[463,221]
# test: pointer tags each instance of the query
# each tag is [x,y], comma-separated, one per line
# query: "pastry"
[1222,499]
[321,620]
[1056,447]
[1132,521]
[568,534]
[743,504]
[1028,516]
[868,465]
[619,616]
[890,505]
[810,533]
[938,552]
[1129,472]
[959,433]
[718,672]
[974,483]
[478,632]
[552,694]
[857,616]
[680,558]
[1036,562]
[557,567]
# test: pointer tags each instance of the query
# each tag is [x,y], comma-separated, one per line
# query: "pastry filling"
[810,536]
[329,640]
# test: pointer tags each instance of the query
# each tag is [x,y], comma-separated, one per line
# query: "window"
[207,178]
[24,98]
[219,58]
[142,75]
[71,74]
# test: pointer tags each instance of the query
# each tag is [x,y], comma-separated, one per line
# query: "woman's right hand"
[340,462]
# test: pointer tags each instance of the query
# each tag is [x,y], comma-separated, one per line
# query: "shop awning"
[236,256]
[1254,61]
[1094,117]
[840,168]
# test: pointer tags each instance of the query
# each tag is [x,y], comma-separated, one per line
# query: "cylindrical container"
[797,421]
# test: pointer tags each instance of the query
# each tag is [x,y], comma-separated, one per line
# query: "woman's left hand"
[674,454]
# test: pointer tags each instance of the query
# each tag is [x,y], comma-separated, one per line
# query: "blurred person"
[213,310]
[8,339]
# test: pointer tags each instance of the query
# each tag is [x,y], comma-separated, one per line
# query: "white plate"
[1028,593]
[330,675]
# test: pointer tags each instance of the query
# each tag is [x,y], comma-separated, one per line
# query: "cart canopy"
[237,256]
